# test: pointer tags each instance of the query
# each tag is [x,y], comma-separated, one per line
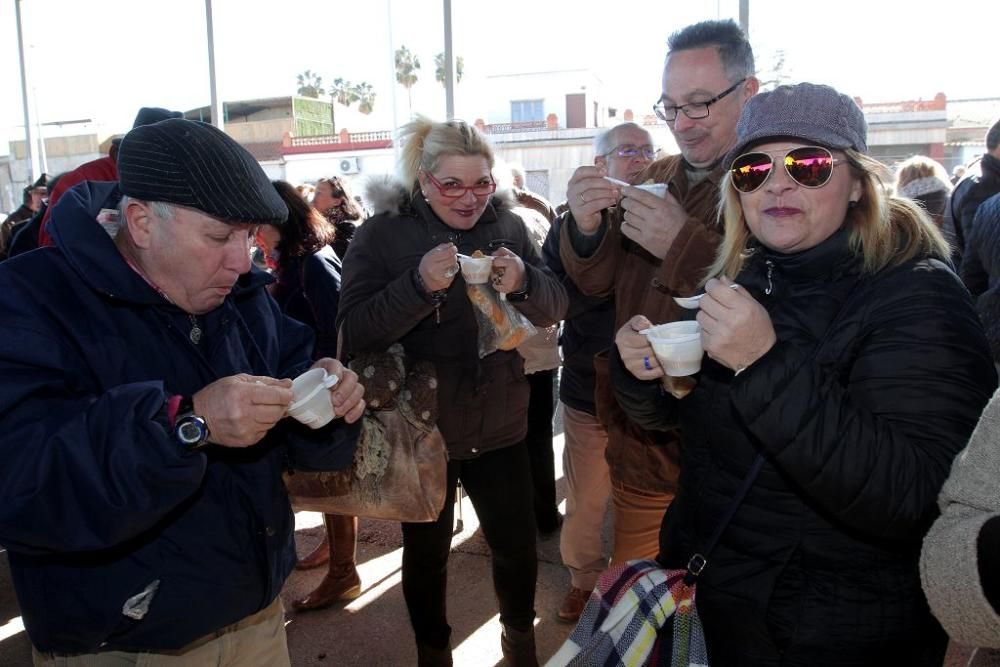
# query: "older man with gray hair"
[624,151]
[143,414]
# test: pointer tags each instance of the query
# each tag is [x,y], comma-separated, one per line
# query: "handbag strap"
[699,560]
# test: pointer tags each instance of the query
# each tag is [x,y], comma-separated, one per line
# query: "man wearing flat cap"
[144,384]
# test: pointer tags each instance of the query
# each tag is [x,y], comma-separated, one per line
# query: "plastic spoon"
[692,302]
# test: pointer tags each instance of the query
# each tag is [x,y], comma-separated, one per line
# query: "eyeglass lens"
[810,166]
[635,151]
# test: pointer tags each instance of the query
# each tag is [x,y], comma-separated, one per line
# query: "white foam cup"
[658,189]
[677,346]
[311,402]
[476,270]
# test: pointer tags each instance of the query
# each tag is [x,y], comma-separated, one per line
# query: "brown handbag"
[400,463]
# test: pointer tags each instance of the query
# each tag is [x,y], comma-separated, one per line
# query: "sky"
[103,59]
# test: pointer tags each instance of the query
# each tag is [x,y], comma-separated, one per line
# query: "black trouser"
[499,485]
[539,441]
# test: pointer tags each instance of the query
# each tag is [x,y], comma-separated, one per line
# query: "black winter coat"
[874,385]
[483,403]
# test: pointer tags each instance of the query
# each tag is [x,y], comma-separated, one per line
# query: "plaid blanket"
[638,614]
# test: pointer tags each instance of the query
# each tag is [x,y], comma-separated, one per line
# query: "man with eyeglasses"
[645,249]
[624,150]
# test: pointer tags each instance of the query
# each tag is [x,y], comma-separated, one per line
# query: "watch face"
[190,431]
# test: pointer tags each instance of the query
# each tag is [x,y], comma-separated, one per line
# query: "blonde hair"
[920,166]
[424,142]
[885,231]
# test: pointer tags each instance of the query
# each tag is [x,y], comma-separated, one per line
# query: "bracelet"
[435,297]
[521,294]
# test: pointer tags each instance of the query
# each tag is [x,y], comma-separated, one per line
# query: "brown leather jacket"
[644,285]
[483,403]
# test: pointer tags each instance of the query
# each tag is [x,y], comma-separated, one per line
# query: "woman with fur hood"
[402,284]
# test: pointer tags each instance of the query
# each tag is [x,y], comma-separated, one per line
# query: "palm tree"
[343,92]
[439,68]
[310,85]
[407,65]
[366,97]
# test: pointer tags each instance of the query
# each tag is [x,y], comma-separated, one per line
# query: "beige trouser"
[588,489]
[258,639]
[638,515]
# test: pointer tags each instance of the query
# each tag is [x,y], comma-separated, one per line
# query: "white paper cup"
[658,189]
[476,270]
[311,402]
[677,346]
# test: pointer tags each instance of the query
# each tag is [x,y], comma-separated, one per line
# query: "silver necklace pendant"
[195,334]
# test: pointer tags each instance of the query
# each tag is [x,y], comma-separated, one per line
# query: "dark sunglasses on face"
[455,191]
[809,166]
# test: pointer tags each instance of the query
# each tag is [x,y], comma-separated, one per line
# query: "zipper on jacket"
[770,272]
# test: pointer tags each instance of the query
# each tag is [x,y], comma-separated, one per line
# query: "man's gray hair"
[605,141]
[734,48]
[161,209]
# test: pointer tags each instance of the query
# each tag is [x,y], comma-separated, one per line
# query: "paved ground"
[374,630]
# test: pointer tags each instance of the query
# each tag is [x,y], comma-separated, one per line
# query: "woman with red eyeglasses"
[842,357]
[402,284]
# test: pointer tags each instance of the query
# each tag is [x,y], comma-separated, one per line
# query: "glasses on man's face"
[454,190]
[694,110]
[809,166]
[629,151]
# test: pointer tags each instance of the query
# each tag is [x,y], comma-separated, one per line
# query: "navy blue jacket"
[308,290]
[589,328]
[98,503]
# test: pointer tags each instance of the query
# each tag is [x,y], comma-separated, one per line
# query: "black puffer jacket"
[482,403]
[875,384]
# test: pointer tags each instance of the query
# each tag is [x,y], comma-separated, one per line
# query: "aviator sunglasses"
[809,166]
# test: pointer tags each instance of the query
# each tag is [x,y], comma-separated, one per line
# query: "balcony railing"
[352,138]
[509,128]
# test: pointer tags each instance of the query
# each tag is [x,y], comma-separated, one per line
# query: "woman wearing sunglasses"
[402,284]
[849,356]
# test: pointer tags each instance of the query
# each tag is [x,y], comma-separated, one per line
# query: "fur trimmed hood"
[386,194]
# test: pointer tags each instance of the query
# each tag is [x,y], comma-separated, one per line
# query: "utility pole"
[449,64]
[217,119]
[29,144]
[745,17]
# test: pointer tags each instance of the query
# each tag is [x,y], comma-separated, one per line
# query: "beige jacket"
[948,564]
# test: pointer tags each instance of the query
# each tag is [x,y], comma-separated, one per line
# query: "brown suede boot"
[321,554]
[518,647]
[430,656]
[341,581]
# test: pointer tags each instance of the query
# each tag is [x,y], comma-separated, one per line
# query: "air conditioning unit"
[349,165]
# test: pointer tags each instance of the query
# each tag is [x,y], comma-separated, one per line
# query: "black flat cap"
[194,164]
[150,115]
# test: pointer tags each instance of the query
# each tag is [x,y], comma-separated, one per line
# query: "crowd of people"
[836,445]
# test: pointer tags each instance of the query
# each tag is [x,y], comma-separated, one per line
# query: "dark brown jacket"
[483,403]
[644,285]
